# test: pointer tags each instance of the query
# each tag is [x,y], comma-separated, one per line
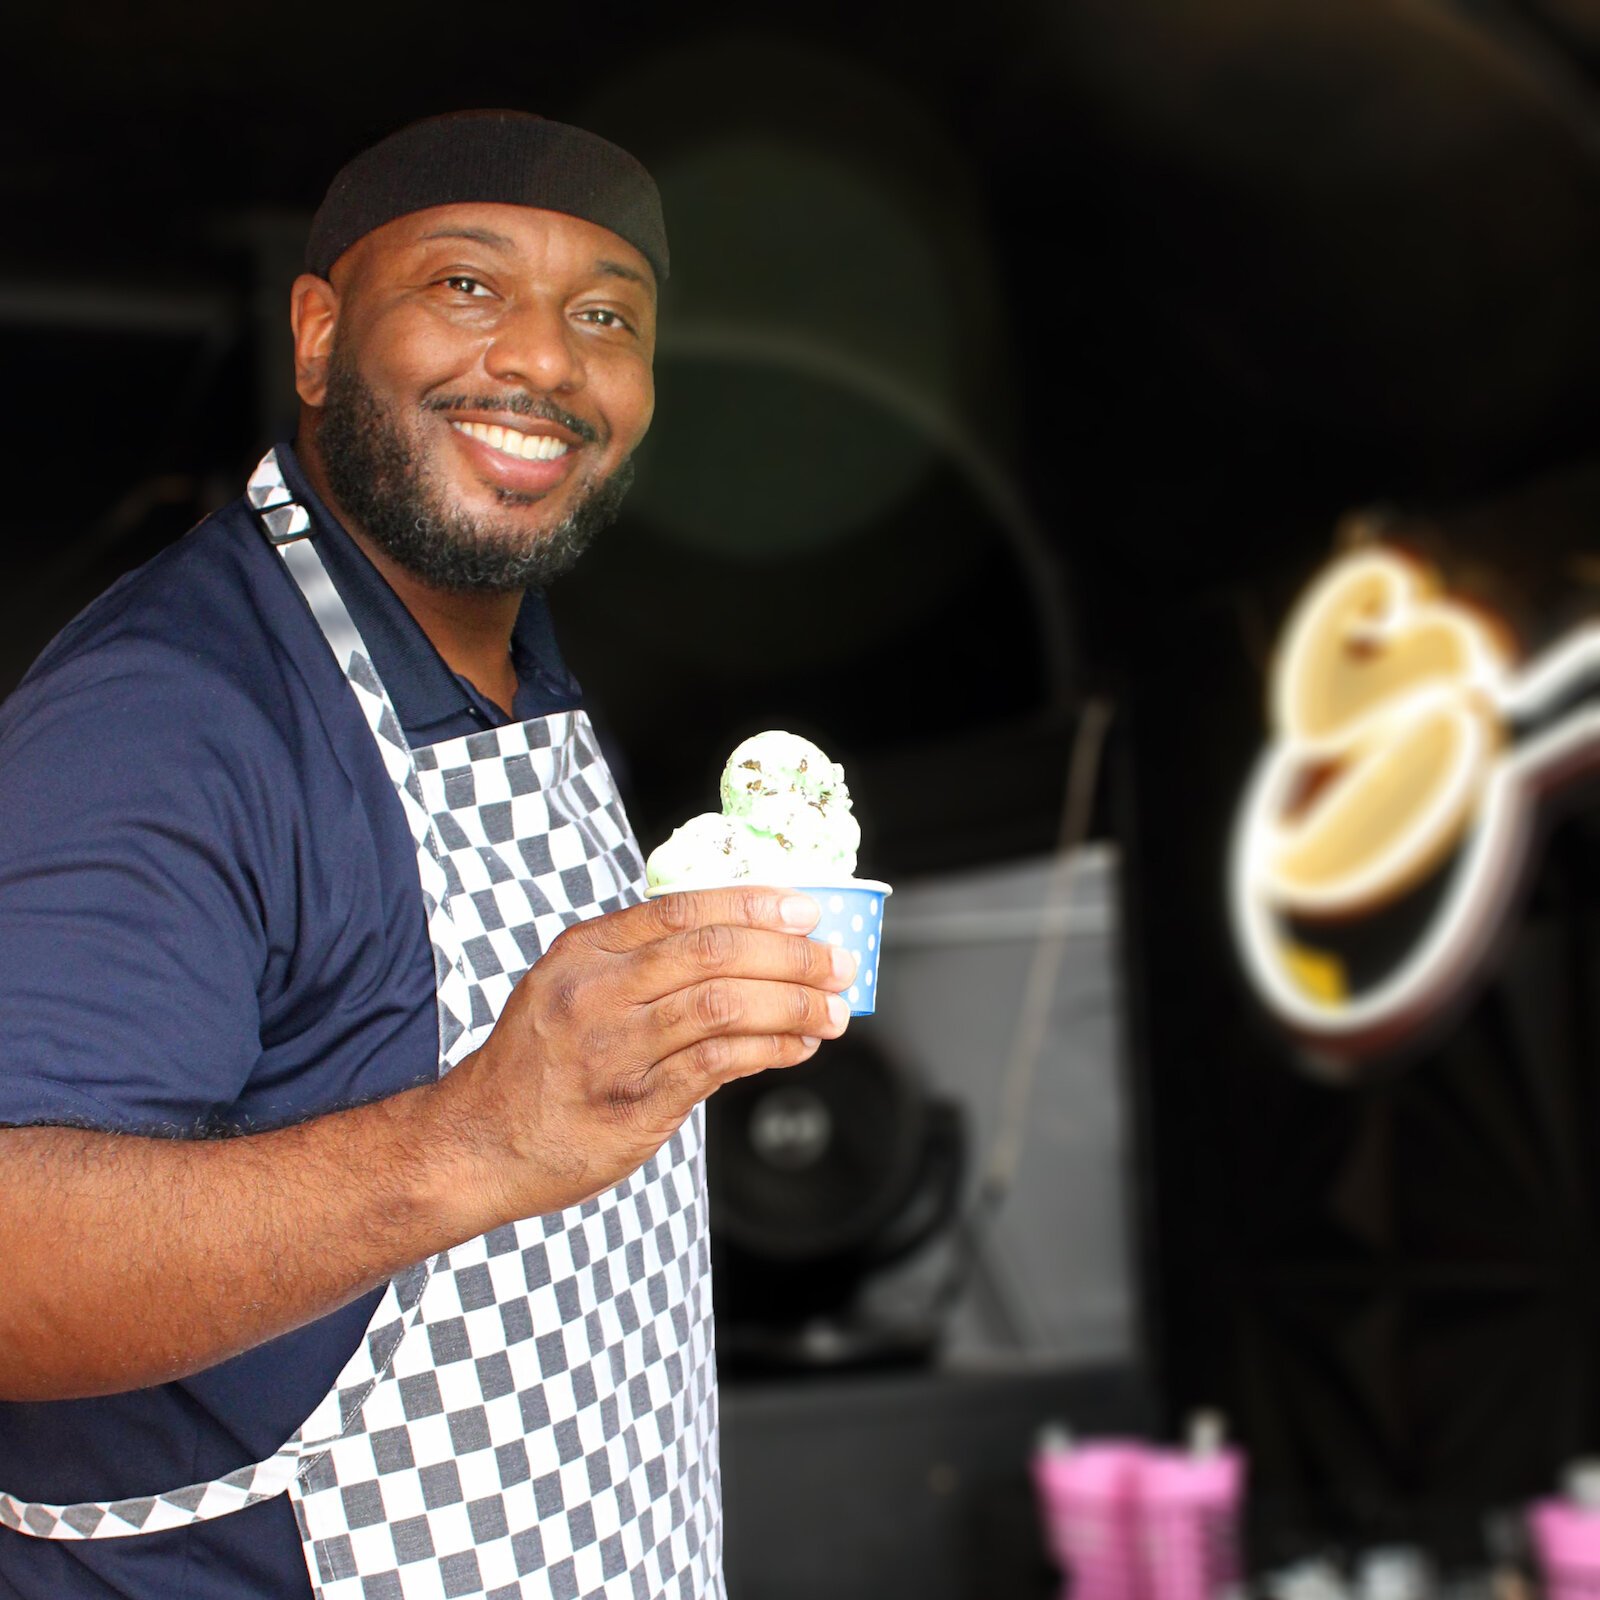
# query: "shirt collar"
[432,702]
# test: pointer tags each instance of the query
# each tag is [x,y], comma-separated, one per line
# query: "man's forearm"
[130,1261]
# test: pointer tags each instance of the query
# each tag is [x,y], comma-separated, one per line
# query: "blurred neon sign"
[1409,752]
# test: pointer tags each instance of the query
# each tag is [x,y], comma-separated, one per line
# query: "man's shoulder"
[195,682]
[215,599]
[210,627]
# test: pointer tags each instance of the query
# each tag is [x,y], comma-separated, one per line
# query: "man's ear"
[314,316]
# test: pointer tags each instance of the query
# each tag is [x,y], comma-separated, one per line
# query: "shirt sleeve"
[134,842]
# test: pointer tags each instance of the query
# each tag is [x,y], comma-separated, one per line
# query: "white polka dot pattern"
[852,918]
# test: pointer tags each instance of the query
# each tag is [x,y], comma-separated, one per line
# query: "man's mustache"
[518,404]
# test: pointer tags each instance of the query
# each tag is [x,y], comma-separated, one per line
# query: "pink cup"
[1567,1539]
[1088,1496]
[1189,1514]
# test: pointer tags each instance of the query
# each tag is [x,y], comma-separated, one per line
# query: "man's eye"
[606,317]
[462,284]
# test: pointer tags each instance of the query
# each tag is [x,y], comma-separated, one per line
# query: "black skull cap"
[510,157]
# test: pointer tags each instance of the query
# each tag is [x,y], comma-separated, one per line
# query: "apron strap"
[288,528]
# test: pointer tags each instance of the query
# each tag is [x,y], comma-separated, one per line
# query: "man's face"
[480,376]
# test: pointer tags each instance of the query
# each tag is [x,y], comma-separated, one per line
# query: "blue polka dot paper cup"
[852,916]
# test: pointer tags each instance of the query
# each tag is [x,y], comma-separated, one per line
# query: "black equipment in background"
[821,1176]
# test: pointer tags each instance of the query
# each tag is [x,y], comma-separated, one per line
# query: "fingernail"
[844,964]
[810,1040]
[799,911]
[838,1010]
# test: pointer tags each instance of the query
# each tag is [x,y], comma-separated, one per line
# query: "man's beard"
[379,480]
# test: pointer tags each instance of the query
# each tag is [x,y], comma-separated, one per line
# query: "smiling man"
[347,1075]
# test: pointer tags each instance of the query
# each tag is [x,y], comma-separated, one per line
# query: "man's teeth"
[524,446]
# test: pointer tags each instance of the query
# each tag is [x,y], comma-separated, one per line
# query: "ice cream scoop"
[785,819]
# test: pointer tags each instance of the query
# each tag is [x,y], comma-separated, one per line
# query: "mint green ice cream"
[785,819]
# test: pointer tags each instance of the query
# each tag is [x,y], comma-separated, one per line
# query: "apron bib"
[534,1412]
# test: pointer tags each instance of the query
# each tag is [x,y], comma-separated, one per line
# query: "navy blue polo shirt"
[210,923]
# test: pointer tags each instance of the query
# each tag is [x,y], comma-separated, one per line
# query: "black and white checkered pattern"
[533,1413]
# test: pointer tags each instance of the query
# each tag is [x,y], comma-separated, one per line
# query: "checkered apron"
[533,1413]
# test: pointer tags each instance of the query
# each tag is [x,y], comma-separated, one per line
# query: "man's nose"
[534,343]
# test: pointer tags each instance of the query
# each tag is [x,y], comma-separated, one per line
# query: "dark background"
[1009,358]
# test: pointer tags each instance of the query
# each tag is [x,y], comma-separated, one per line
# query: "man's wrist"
[448,1137]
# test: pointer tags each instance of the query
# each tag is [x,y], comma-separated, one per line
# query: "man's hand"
[627,1022]
[184,1252]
